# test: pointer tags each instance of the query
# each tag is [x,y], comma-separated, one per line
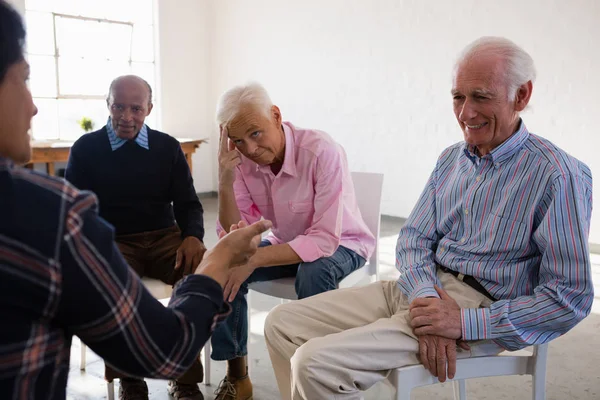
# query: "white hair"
[519,64]
[232,101]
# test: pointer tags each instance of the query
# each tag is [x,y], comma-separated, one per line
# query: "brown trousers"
[152,254]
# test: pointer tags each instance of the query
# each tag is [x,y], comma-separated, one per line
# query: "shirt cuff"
[476,324]
[425,289]
[306,249]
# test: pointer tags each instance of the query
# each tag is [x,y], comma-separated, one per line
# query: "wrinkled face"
[482,107]
[257,136]
[129,105]
[16,111]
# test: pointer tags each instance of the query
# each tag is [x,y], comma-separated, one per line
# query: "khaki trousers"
[337,344]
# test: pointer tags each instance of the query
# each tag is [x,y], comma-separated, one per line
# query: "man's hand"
[237,276]
[189,254]
[441,317]
[229,158]
[233,249]
[436,353]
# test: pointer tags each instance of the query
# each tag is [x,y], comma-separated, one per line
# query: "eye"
[458,97]
[237,142]
[480,97]
[255,134]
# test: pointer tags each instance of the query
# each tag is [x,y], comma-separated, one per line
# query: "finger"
[222,234]
[233,227]
[259,227]
[451,353]
[463,345]
[420,302]
[423,353]
[230,145]
[431,359]
[223,140]
[227,289]
[178,258]
[420,322]
[424,330]
[242,224]
[441,361]
[194,264]
[234,292]
[418,312]
[442,293]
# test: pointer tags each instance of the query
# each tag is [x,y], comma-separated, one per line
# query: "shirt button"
[463,240]
[496,165]
[466,211]
[478,178]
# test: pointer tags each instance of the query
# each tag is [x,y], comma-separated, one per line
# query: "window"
[75,49]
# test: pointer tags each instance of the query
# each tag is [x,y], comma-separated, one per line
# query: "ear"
[276,115]
[150,107]
[523,95]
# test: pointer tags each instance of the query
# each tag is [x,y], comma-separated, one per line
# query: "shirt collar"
[116,142]
[289,158]
[506,150]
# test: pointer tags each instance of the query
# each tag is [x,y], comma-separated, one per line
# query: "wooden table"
[50,151]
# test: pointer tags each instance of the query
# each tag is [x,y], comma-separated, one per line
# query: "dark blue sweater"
[139,190]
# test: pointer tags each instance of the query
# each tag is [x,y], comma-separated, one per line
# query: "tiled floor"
[573,367]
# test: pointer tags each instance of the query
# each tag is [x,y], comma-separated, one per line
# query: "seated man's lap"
[153,254]
[313,277]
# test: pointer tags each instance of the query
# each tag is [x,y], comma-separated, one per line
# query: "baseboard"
[207,195]
[595,248]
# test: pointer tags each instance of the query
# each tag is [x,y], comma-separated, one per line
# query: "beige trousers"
[339,343]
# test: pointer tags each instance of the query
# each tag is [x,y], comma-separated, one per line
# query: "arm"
[76,172]
[416,246]
[106,305]
[564,294]
[186,206]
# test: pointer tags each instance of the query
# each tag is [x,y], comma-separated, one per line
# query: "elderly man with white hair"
[299,179]
[493,257]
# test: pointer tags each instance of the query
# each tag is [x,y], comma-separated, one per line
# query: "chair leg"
[539,385]
[110,387]
[207,363]
[403,393]
[248,297]
[460,389]
[82,359]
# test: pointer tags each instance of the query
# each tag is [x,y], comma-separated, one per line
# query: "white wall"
[183,79]
[376,74]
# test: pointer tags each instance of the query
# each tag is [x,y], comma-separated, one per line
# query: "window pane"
[71,111]
[43,76]
[88,77]
[40,33]
[44,125]
[93,39]
[145,71]
[136,11]
[143,43]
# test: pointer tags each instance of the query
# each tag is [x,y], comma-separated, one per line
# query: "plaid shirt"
[62,275]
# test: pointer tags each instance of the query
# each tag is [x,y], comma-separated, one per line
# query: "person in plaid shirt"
[61,273]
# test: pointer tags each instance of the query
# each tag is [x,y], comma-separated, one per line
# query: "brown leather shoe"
[234,389]
[133,389]
[185,391]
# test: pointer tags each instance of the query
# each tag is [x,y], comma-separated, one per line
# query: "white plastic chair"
[368,188]
[162,292]
[522,362]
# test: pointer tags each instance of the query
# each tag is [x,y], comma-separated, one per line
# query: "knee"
[306,363]
[314,278]
[277,326]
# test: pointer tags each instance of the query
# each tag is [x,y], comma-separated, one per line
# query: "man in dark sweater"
[146,192]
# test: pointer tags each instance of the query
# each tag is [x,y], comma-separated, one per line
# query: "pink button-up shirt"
[311,201]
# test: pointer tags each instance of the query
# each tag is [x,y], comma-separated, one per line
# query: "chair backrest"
[368,188]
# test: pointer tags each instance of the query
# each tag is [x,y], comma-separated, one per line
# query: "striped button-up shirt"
[116,142]
[516,219]
[62,275]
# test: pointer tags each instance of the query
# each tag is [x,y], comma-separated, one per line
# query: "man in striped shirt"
[493,257]
[61,273]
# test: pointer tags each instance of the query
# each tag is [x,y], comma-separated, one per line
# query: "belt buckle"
[461,277]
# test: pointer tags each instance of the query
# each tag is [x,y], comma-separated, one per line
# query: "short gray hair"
[519,64]
[233,100]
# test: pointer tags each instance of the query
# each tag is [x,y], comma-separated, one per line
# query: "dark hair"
[12,37]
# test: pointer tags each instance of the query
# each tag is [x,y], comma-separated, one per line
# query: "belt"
[469,280]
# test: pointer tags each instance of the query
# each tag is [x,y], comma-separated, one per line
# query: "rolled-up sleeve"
[248,210]
[322,238]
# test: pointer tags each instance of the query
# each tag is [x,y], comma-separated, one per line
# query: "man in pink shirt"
[298,179]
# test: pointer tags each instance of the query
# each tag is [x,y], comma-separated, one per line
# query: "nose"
[467,111]
[126,115]
[251,147]
[35,110]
